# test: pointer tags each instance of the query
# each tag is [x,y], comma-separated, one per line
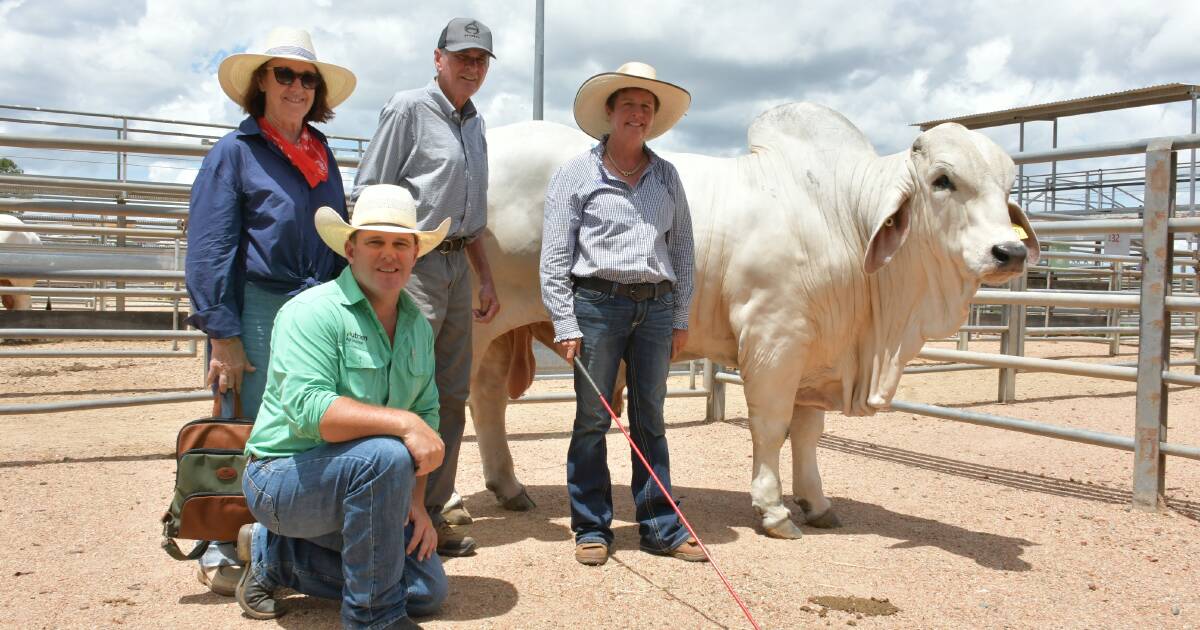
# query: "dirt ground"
[953,525]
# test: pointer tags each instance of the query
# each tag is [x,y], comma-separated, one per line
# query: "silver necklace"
[629,173]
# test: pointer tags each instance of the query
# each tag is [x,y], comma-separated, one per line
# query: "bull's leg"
[768,429]
[16,302]
[807,425]
[489,399]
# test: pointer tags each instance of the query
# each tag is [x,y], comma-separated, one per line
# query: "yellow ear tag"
[1020,231]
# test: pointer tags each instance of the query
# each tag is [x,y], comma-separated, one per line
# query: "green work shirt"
[327,343]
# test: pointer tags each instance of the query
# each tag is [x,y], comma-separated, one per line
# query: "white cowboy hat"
[237,70]
[592,118]
[383,208]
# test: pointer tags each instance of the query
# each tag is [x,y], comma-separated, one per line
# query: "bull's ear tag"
[890,222]
[1020,231]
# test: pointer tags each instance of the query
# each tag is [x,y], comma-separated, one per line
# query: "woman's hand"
[424,536]
[569,348]
[228,364]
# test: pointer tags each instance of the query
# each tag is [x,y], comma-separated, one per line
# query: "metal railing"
[1149,443]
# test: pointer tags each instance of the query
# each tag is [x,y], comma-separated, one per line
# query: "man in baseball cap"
[447,172]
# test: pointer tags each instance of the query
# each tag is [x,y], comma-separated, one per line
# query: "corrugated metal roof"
[1153,95]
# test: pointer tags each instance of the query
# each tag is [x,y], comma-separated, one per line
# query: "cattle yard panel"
[713,386]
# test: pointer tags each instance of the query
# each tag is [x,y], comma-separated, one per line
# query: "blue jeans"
[259,308]
[334,527]
[615,328]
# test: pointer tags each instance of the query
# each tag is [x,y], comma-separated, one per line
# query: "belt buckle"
[636,292]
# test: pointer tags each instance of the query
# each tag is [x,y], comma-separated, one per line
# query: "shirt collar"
[249,127]
[598,157]
[435,92]
[352,294]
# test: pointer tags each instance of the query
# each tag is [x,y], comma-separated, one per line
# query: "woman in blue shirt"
[251,240]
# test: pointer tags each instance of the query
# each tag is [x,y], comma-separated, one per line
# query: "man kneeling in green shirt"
[347,433]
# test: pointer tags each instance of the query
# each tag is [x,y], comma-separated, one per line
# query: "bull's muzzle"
[1010,256]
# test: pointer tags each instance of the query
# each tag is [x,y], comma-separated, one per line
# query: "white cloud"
[883,64]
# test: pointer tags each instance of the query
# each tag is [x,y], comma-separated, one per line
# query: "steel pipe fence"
[104,403]
[1149,443]
[90,292]
[88,333]
[94,354]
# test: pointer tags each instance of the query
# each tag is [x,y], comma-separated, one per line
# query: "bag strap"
[172,549]
[232,400]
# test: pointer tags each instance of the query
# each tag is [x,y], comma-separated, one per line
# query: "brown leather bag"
[208,504]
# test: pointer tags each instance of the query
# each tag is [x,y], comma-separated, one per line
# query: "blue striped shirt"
[595,225]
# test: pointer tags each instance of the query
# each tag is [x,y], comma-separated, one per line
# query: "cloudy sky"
[883,64]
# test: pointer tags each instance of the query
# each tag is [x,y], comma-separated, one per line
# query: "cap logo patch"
[472,30]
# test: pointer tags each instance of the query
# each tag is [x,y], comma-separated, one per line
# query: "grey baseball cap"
[466,33]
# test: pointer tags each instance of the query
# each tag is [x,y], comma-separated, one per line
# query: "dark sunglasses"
[287,76]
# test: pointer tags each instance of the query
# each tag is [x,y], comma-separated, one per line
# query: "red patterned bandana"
[308,156]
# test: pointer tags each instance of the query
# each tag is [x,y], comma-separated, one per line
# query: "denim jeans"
[615,328]
[259,308]
[334,527]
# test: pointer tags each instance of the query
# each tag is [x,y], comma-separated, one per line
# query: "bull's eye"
[943,183]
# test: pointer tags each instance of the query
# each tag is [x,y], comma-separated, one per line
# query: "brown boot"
[453,544]
[591,553]
[688,551]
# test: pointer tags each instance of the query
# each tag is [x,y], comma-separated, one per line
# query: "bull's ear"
[889,232]
[1033,249]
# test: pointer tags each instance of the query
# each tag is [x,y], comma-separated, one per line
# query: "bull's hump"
[807,125]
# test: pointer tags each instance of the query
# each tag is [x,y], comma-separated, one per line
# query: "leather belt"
[636,292]
[451,245]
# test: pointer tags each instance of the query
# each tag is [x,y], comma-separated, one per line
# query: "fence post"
[1196,316]
[1154,328]
[1012,342]
[715,408]
[1114,314]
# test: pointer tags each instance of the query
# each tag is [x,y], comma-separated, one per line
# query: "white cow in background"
[821,269]
[15,302]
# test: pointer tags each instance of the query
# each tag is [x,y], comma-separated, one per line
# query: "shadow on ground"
[471,598]
[999,476]
[718,515]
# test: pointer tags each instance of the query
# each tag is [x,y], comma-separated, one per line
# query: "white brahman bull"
[821,269]
[16,302]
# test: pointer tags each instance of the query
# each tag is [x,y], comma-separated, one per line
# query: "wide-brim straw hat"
[382,208]
[590,113]
[237,70]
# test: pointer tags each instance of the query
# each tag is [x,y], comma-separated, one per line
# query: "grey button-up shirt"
[595,225]
[425,145]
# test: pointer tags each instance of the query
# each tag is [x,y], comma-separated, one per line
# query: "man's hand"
[679,339]
[424,536]
[227,365]
[489,303]
[570,348]
[425,446]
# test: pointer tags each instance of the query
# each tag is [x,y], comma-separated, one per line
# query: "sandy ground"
[956,526]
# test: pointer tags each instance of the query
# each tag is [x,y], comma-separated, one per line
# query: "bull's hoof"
[785,529]
[519,503]
[828,520]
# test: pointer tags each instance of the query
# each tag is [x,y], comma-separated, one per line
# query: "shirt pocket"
[419,363]
[364,375]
